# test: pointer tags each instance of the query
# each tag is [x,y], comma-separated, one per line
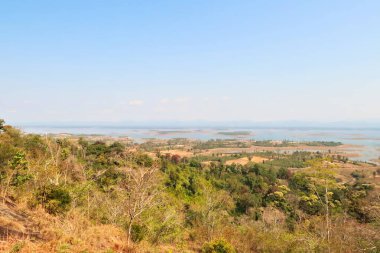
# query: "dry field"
[344,171]
[245,160]
[346,150]
[181,153]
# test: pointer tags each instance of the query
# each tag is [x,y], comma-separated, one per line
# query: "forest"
[83,195]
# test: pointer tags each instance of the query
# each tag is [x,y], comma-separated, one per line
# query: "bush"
[310,205]
[54,199]
[284,173]
[17,247]
[218,246]
[300,182]
[138,232]
[109,178]
[144,160]
[357,175]
[19,165]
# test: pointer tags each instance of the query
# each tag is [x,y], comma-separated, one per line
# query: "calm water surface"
[369,138]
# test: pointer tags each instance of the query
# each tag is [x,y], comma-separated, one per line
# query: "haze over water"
[369,138]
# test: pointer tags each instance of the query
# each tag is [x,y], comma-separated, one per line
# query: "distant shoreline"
[367,140]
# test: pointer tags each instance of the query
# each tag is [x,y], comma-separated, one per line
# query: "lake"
[369,138]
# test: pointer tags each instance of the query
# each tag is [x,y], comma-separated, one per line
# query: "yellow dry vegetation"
[181,153]
[245,160]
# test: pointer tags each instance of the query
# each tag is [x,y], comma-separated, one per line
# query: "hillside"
[64,194]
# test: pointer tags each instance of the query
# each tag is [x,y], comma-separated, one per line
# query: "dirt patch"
[245,160]
[346,150]
[259,159]
[345,169]
[181,153]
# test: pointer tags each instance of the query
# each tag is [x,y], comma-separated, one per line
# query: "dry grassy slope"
[73,233]
[15,223]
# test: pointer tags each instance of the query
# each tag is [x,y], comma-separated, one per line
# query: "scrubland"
[64,194]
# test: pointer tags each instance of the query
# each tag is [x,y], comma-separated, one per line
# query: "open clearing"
[245,160]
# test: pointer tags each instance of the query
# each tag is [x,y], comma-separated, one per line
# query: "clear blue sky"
[189,60]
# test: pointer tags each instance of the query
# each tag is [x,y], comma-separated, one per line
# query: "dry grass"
[73,233]
[344,171]
[350,150]
[181,153]
[245,160]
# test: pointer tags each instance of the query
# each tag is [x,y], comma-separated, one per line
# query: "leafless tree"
[141,186]
[214,209]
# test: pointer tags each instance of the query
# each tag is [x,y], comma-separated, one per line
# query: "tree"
[16,174]
[141,186]
[215,209]
[322,175]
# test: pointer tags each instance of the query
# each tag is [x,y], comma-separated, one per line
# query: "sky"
[214,60]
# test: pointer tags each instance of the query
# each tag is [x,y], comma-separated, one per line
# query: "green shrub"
[218,246]
[63,248]
[54,199]
[144,160]
[357,175]
[138,232]
[17,247]
[310,205]
[19,165]
[109,178]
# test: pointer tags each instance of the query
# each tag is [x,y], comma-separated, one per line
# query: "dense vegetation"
[95,196]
